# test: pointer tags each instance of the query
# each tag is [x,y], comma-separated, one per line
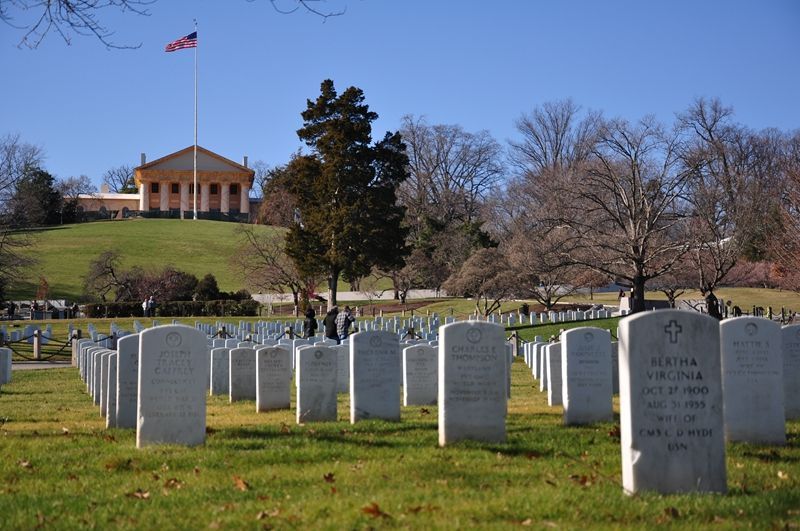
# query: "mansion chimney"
[143,159]
[244,161]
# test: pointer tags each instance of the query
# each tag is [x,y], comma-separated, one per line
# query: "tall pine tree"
[345,190]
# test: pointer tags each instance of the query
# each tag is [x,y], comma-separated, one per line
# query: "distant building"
[166,189]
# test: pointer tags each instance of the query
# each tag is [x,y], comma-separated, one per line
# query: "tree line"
[578,200]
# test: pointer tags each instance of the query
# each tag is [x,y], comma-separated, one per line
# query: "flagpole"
[195,124]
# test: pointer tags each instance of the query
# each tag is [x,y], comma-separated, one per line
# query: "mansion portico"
[166,185]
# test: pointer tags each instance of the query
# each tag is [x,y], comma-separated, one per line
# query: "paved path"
[36,365]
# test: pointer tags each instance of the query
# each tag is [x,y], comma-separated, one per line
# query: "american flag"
[190,41]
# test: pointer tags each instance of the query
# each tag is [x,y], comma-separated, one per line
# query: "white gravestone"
[316,384]
[542,367]
[671,403]
[343,367]
[375,376]
[615,367]
[172,376]
[104,361]
[752,381]
[273,378]
[111,407]
[472,382]
[790,336]
[242,374]
[586,375]
[127,380]
[553,361]
[220,369]
[420,375]
[5,365]
[97,374]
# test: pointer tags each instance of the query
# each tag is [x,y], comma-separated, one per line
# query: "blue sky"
[480,64]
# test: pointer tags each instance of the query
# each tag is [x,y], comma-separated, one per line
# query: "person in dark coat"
[310,323]
[330,324]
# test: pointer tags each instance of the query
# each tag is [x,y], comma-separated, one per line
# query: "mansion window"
[176,188]
[214,189]
[234,189]
[153,188]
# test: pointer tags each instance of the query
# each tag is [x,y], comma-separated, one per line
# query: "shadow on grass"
[340,433]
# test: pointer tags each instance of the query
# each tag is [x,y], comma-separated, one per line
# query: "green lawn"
[63,253]
[61,469]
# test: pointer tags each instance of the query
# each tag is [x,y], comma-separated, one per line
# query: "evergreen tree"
[36,201]
[345,191]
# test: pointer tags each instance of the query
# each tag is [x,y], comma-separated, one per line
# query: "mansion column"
[204,189]
[163,188]
[225,198]
[144,197]
[185,207]
[244,202]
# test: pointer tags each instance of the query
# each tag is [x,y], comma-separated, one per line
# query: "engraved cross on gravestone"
[673,329]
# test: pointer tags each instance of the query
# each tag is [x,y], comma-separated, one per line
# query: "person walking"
[343,322]
[330,324]
[310,323]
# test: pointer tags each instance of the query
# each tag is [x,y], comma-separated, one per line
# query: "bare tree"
[263,262]
[451,173]
[731,188]
[67,18]
[539,259]
[17,158]
[70,189]
[105,275]
[486,277]
[785,245]
[625,205]
[37,18]
[120,180]
[555,135]
[278,207]
[263,174]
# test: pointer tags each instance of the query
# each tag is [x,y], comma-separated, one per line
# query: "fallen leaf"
[415,510]
[329,478]
[196,471]
[374,510]
[156,477]
[24,463]
[783,475]
[425,411]
[285,428]
[140,494]
[550,482]
[614,432]
[533,455]
[240,484]
[173,483]
[333,490]
[64,431]
[526,522]
[72,477]
[109,438]
[210,430]
[261,515]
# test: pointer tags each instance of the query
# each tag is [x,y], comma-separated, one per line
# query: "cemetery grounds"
[62,469]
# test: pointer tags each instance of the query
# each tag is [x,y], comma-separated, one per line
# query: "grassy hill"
[63,253]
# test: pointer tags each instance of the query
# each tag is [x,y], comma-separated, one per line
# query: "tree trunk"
[637,304]
[333,280]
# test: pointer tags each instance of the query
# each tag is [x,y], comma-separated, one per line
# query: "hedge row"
[224,308]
